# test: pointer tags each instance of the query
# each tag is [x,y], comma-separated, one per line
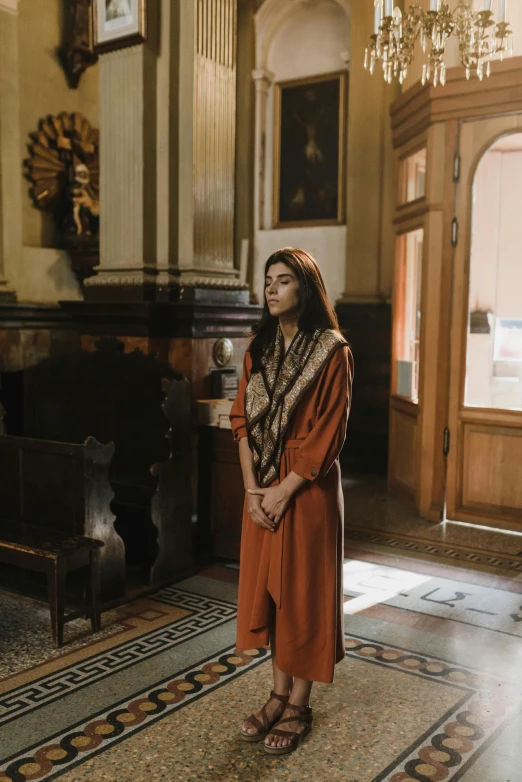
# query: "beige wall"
[307,41]
[371,172]
[38,272]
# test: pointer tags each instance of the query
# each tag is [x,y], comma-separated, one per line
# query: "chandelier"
[480,37]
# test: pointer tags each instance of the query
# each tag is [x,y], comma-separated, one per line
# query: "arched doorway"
[485,394]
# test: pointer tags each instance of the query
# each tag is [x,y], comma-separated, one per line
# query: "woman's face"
[282,291]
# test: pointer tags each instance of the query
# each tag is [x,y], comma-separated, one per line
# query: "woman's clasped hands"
[266,507]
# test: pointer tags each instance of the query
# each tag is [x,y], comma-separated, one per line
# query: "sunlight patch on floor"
[376,584]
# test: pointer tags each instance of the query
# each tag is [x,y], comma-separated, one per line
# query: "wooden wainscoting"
[403,455]
[489,488]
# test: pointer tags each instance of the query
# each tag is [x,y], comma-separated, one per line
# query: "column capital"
[263,79]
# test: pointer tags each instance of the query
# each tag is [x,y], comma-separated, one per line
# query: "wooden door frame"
[434,215]
[460,416]
[434,114]
[404,482]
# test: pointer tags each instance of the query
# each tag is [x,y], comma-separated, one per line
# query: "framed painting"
[119,23]
[309,143]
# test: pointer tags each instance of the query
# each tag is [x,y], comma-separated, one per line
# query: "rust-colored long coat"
[299,567]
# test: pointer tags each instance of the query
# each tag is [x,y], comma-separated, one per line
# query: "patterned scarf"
[273,392]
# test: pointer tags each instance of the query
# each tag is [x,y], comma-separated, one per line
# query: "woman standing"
[289,418]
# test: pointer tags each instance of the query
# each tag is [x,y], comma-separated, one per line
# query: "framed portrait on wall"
[119,23]
[309,135]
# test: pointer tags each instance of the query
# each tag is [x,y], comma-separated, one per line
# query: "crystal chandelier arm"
[393,41]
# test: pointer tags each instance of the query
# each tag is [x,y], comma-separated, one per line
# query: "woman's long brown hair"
[315,308]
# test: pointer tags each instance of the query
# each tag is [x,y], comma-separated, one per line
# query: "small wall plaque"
[223,351]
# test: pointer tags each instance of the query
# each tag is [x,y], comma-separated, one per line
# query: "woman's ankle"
[283,692]
[299,698]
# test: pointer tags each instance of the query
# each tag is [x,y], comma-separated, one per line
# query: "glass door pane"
[408,317]
[412,177]
[494,344]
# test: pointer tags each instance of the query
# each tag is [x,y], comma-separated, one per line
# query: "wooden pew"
[142,405]
[55,517]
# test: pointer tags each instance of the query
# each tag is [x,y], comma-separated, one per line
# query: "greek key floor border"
[485,705]
[455,553]
[206,613]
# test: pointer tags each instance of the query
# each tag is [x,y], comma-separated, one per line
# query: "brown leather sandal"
[305,716]
[264,726]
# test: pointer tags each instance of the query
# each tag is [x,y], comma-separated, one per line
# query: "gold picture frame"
[118,23]
[296,139]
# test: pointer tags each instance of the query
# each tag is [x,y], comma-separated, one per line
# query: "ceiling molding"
[420,107]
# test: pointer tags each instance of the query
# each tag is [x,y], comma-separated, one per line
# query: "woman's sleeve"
[237,411]
[323,444]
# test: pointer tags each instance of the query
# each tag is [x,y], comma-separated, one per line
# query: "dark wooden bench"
[55,554]
[55,516]
[142,405]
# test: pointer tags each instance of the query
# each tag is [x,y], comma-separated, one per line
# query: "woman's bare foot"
[296,725]
[273,709]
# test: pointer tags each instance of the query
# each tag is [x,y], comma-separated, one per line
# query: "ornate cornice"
[115,278]
[224,283]
[420,107]
[125,278]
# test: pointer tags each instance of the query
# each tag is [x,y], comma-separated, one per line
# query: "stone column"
[214,127]
[167,138]
[245,142]
[167,130]
[10,159]
[263,80]
[127,175]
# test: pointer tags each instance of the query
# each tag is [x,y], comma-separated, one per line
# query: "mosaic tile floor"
[431,687]
[25,633]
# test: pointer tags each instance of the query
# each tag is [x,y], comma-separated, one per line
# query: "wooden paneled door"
[484,461]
